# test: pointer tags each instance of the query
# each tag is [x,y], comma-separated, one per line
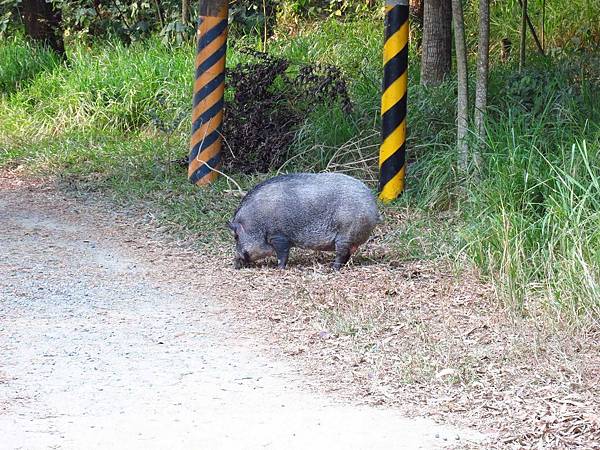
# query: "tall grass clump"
[20,62]
[532,220]
[535,225]
[109,86]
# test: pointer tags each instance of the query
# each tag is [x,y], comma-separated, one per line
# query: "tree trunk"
[544,25]
[185,11]
[483,53]
[463,82]
[43,24]
[436,56]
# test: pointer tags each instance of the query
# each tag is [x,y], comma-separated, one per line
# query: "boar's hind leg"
[342,254]
[281,244]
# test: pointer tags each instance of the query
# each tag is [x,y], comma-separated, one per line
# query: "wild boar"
[324,211]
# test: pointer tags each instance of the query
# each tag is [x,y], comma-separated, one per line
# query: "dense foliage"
[138,19]
[128,21]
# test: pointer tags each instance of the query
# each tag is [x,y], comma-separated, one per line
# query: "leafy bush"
[268,105]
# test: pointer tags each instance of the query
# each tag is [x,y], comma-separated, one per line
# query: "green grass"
[21,62]
[111,121]
[108,87]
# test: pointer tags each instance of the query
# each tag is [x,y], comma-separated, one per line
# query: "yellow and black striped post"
[209,86]
[392,153]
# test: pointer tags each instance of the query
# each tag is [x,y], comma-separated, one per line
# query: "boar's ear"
[236,227]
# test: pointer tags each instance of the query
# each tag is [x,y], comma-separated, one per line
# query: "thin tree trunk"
[523,35]
[436,56]
[159,13]
[538,44]
[483,52]
[463,93]
[185,11]
[544,25]
[43,24]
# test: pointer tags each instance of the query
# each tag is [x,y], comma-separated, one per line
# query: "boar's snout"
[241,260]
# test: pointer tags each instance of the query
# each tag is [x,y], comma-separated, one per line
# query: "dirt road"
[104,343]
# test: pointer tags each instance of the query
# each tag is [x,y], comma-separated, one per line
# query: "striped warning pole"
[209,85]
[393,101]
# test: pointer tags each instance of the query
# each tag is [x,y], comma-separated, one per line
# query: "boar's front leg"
[281,244]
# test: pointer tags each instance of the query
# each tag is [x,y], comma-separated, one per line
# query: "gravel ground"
[108,342]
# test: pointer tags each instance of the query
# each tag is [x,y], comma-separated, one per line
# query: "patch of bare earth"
[420,337]
[430,342]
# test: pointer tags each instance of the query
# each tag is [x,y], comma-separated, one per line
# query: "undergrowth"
[116,118]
